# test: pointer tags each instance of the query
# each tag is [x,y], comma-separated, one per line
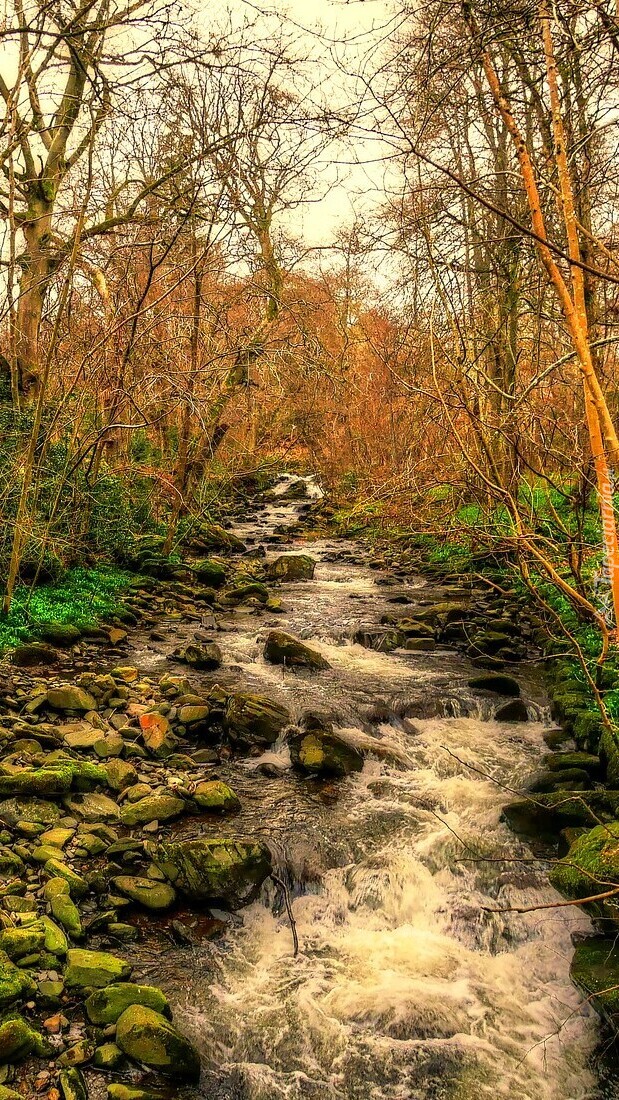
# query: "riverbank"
[322,706]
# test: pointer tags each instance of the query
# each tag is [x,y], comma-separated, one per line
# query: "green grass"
[81,598]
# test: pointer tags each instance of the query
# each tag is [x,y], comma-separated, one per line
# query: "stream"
[405,986]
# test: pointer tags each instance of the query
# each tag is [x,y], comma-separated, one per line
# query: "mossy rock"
[514,711]
[544,815]
[63,635]
[570,779]
[243,592]
[67,914]
[78,887]
[72,1084]
[322,752]
[588,730]
[216,796]
[496,682]
[609,755]
[70,697]
[94,969]
[106,1005]
[291,567]
[210,572]
[146,892]
[591,865]
[595,970]
[229,870]
[283,649]
[205,656]
[30,654]
[15,983]
[35,811]
[565,761]
[19,942]
[156,807]
[119,1091]
[44,783]
[18,1040]
[150,1039]
[254,719]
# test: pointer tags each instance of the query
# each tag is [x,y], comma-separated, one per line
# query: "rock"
[59,634]
[15,984]
[514,711]
[212,536]
[189,715]
[65,911]
[94,969]
[72,1085]
[150,1039]
[80,736]
[595,969]
[43,782]
[291,567]
[322,752]
[254,719]
[157,734]
[70,697]
[549,813]
[205,656]
[216,796]
[106,1005]
[380,639]
[496,682]
[282,649]
[119,1091]
[76,885]
[108,1056]
[127,674]
[30,654]
[243,592]
[93,807]
[18,1039]
[32,810]
[591,865]
[157,807]
[210,572]
[145,891]
[228,870]
[18,942]
[78,1054]
[121,774]
[9,1094]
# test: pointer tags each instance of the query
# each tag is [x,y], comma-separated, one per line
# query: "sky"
[337,34]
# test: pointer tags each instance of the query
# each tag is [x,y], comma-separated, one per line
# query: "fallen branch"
[284,889]
[552,904]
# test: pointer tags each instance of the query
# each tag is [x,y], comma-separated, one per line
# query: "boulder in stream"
[227,870]
[291,567]
[322,752]
[254,719]
[283,649]
[497,682]
[150,1039]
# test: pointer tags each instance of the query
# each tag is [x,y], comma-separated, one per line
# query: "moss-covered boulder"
[204,656]
[77,885]
[591,865]
[292,567]
[253,590]
[19,942]
[514,711]
[595,969]
[30,654]
[41,782]
[120,774]
[70,697]
[229,870]
[94,969]
[210,572]
[93,807]
[156,807]
[72,1084]
[216,796]
[150,1039]
[146,892]
[18,1039]
[64,909]
[322,752]
[117,1090]
[34,811]
[105,1006]
[546,814]
[254,719]
[496,682]
[283,649]
[15,984]
[63,635]
[212,536]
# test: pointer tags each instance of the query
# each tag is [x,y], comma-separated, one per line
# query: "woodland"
[358,260]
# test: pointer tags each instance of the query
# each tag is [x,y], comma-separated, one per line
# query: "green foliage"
[81,598]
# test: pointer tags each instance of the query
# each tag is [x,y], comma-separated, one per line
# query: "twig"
[284,889]
[552,904]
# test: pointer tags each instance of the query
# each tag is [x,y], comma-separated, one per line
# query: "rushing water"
[405,986]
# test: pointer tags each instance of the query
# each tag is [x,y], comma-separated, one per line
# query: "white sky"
[351,31]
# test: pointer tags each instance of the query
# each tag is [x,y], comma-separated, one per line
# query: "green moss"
[80,598]
[595,968]
[591,865]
